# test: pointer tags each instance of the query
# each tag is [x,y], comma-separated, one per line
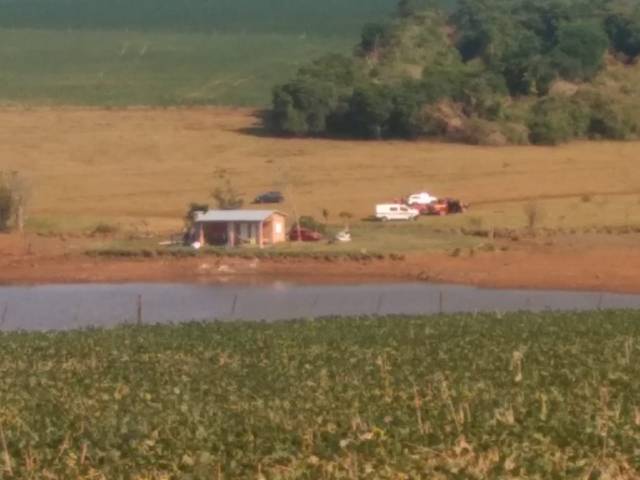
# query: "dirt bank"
[589,266]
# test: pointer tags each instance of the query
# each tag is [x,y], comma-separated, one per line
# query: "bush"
[302,106]
[193,209]
[482,132]
[556,120]
[534,214]
[609,120]
[105,229]
[311,223]
[226,197]
[6,206]
[516,134]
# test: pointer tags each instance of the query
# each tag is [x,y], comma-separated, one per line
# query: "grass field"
[474,397]
[140,168]
[120,68]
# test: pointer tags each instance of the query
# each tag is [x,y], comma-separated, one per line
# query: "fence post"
[139,310]
[5,311]
[314,304]
[233,306]
[600,300]
[379,305]
[441,302]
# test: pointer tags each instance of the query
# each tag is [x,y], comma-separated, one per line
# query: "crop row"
[520,396]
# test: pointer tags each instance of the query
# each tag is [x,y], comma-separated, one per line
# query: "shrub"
[226,197]
[482,132]
[307,221]
[515,134]
[192,210]
[6,206]
[302,106]
[610,122]
[534,214]
[104,229]
[14,196]
[556,120]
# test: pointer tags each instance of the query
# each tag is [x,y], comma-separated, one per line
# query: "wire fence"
[80,306]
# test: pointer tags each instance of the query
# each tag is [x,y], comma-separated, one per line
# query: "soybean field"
[168,53]
[534,396]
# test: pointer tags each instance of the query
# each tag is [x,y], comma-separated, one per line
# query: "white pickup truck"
[422,198]
[395,211]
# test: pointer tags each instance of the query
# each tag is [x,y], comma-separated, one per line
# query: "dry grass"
[142,167]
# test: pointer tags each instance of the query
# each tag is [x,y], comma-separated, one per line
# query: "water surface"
[59,307]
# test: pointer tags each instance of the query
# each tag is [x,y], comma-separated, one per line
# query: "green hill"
[489,71]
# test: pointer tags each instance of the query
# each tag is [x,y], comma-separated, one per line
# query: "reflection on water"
[55,307]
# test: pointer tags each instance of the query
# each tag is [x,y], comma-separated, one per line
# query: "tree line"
[483,69]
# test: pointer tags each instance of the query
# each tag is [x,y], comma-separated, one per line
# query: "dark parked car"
[306,235]
[269,197]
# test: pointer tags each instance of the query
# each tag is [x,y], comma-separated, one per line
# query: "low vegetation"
[517,396]
[14,196]
[488,72]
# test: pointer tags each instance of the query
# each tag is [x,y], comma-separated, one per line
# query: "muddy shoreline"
[593,269]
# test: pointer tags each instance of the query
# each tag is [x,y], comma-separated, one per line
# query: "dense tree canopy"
[433,72]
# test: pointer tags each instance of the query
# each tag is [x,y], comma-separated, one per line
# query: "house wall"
[280,228]
[274,229]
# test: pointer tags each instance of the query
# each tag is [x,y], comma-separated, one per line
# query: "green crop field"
[329,17]
[168,52]
[528,396]
[120,68]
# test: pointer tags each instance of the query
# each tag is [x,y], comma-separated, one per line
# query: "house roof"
[235,215]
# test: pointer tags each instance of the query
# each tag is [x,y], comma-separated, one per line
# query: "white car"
[421,199]
[395,211]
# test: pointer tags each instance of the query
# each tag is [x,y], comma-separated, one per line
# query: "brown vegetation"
[144,167]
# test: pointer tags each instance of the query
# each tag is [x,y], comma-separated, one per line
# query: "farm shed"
[240,227]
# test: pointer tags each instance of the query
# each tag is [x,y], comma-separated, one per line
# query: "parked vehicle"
[395,211]
[422,198]
[269,197]
[305,234]
[445,206]
[344,236]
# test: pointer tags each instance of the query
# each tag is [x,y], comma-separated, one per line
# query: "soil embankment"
[574,267]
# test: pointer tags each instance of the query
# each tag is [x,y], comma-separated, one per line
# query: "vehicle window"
[405,209]
[394,209]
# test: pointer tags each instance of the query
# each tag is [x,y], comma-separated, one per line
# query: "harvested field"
[141,167]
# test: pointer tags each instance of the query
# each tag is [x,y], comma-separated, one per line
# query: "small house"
[240,227]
